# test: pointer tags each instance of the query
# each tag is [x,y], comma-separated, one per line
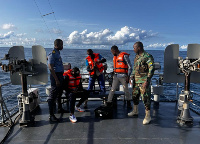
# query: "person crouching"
[73,87]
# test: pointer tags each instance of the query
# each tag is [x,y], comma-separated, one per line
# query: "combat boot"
[134,112]
[147,118]
[52,117]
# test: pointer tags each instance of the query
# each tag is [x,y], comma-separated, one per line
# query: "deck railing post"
[2,111]
[176,92]
[3,105]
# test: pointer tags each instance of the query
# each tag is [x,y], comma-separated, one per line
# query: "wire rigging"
[48,14]
[54,16]
[43,19]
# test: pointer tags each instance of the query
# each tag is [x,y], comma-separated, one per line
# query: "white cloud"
[56,31]
[9,34]
[10,39]
[26,42]
[9,26]
[6,35]
[183,46]
[164,45]
[159,45]
[20,35]
[105,37]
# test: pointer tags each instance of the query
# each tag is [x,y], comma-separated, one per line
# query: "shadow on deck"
[121,129]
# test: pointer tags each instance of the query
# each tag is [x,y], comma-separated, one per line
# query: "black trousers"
[72,98]
[55,91]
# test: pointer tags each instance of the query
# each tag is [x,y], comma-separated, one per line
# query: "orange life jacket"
[73,82]
[91,63]
[120,65]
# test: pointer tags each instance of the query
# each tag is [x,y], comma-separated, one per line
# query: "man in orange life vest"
[94,63]
[74,89]
[122,72]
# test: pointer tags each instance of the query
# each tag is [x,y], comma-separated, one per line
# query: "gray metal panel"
[193,52]
[39,65]
[171,65]
[16,52]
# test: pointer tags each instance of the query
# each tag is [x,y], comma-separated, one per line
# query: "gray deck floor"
[122,129]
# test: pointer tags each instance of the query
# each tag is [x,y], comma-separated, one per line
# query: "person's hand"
[130,81]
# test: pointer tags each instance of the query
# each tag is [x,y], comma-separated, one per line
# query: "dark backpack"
[104,112]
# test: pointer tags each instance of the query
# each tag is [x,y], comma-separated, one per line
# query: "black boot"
[52,117]
[129,104]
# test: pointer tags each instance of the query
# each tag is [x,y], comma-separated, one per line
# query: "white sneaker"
[72,118]
[79,109]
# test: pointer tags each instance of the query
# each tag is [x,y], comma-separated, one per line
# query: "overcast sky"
[99,23]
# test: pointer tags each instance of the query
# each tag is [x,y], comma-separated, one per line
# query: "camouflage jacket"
[143,68]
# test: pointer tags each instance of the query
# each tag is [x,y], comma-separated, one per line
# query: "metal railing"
[195,102]
[7,113]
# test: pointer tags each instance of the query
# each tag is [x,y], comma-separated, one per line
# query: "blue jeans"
[101,82]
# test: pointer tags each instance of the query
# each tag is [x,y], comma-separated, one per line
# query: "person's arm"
[88,67]
[54,74]
[127,60]
[102,59]
[150,63]
[132,76]
[86,62]
[51,61]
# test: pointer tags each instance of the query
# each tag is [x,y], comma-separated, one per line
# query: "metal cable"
[43,18]
[54,17]
[10,129]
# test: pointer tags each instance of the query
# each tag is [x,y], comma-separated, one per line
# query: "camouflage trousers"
[145,93]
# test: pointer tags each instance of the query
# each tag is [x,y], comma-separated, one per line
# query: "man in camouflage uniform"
[142,73]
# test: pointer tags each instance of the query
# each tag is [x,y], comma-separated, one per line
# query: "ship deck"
[121,129]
